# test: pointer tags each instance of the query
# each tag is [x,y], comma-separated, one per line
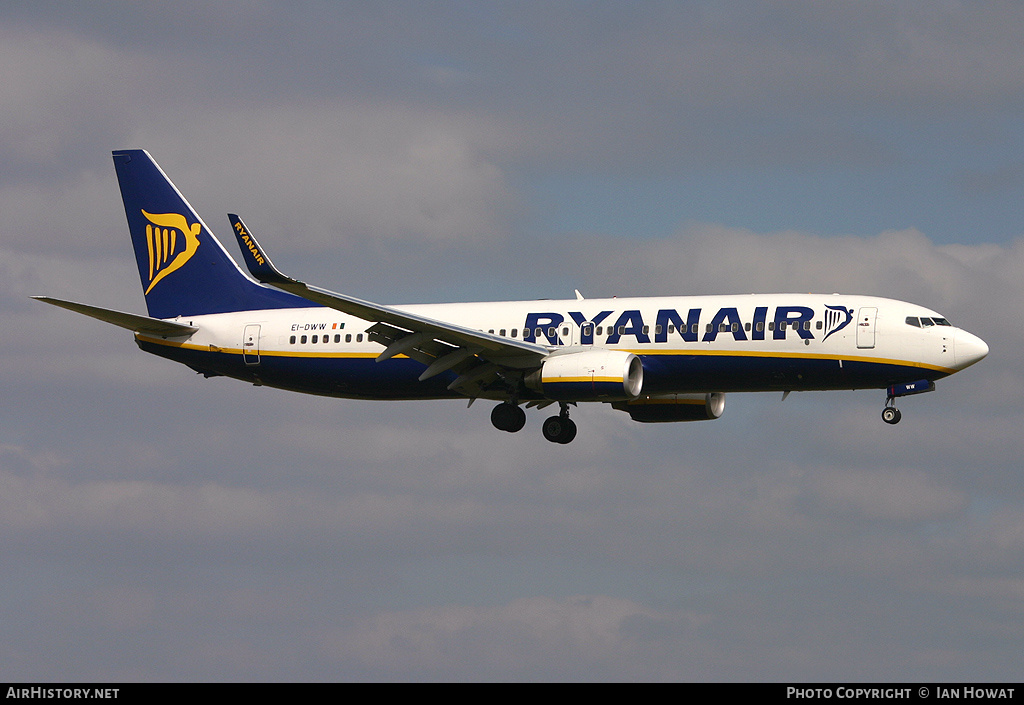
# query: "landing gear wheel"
[508,417]
[559,429]
[891,415]
[569,433]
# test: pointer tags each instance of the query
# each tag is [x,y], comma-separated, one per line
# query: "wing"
[486,364]
[130,321]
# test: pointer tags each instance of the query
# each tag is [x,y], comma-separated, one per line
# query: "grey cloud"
[534,634]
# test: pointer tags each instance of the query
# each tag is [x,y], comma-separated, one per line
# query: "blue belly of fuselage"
[360,376]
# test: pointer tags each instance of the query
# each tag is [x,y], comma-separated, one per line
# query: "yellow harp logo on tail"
[171,242]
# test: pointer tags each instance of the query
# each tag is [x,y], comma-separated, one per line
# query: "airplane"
[659,359]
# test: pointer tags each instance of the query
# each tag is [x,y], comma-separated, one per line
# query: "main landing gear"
[507,416]
[560,429]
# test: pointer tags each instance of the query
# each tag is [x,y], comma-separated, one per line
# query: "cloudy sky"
[155,525]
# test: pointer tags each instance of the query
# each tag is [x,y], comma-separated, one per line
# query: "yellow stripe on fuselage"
[267,353]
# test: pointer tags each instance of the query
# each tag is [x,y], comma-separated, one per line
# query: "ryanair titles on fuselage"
[726,321]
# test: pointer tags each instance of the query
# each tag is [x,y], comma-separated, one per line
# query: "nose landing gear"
[890,414]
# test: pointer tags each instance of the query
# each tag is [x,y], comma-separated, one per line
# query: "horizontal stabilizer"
[131,321]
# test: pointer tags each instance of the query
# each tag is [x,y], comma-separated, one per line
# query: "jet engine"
[665,408]
[590,375]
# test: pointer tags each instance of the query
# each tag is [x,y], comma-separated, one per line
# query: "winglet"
[255,258]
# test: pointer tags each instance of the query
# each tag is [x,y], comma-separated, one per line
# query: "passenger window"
[588,330]
[302,340]
[671,328]
[337,338]
[314,339]
[292,340]
[502,332]
[818,325]
[657,330]
[348,337]
[622,330]
[746,326]
[565,332]
[600,330]
[807,325]
[760,326]
[514,332]
[359,338]
[647,329]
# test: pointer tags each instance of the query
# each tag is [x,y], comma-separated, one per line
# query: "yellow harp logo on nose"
[171,242]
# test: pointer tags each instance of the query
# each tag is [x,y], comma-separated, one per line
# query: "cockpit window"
[927,322]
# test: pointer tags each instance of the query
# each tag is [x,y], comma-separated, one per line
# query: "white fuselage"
[755,342]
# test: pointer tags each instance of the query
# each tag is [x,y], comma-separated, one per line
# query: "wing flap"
[425,351]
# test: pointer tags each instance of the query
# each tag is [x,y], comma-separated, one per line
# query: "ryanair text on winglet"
[249,243]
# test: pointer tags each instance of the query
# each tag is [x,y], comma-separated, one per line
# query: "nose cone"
[968,349]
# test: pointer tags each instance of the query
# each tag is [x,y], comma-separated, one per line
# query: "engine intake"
[667,408]
[605,375]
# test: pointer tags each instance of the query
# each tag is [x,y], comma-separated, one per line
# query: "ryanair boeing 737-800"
[657,359]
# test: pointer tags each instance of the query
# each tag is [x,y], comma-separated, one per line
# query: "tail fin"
[184,269]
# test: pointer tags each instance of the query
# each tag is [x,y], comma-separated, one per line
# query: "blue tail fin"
[184,269]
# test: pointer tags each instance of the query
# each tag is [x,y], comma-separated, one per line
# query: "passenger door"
[866,327]
[251,344]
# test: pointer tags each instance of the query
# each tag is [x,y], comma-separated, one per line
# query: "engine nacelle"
[589,375]
[666,408]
